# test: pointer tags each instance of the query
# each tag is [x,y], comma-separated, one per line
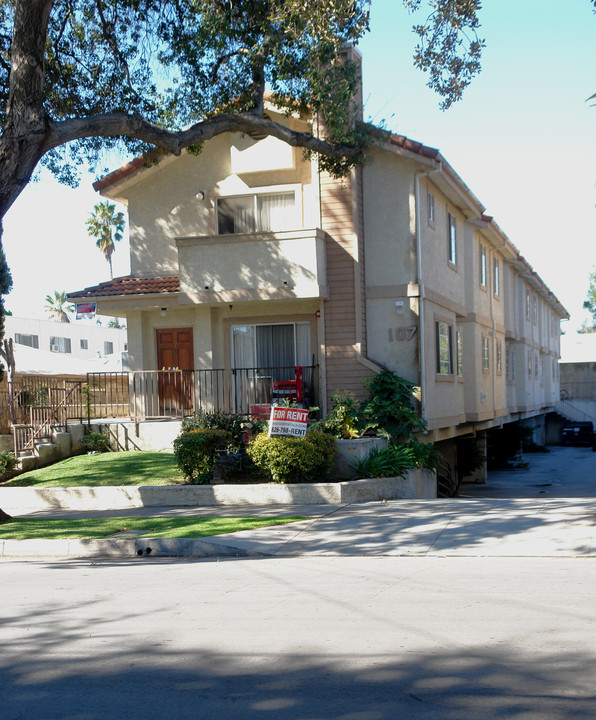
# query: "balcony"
[252,266]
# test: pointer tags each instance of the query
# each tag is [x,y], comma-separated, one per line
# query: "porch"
[35,408]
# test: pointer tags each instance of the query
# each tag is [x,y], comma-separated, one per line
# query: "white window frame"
[485,354]
[452,238]
[295,188]
[483,274]
[431,208]
[496,276]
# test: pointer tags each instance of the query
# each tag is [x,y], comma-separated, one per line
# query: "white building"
[46,346]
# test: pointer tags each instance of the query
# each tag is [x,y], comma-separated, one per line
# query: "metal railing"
[150,394]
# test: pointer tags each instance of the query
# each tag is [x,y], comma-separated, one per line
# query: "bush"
[392,461]
[425,455]
[388,409]
[8,463]
[196,452]
[231,423]
[95,442]
[342,421]
[293,460]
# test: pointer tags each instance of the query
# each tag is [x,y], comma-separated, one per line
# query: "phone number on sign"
[288,430]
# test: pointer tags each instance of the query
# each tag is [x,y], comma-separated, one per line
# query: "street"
[494,629]
[301,638]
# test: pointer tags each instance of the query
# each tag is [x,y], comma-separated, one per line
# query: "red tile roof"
[129,285]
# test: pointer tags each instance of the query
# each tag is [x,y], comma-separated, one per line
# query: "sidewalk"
[546,511]
[458,527]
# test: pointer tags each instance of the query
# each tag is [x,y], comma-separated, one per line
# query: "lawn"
[150,527]
[122,468]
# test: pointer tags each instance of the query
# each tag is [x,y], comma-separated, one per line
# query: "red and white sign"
[288,421]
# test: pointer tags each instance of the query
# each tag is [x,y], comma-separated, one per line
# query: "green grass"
[122,468]
[152,527]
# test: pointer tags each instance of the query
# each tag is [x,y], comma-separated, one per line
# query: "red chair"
[293,390]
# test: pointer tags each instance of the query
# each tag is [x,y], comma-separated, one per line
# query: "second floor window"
[444,352]
[256,213]
[431,208]
[452,239]
[84,344]
[482,266]
[485,355]
[108,348]
[496,277]
[460,353]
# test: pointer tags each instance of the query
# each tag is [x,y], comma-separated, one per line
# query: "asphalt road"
[299,638]
[338,637]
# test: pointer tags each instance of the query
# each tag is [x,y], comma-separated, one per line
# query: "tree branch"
[135,126]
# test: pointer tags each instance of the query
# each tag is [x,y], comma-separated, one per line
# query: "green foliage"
[392,461]
[196,452]
[106,226]
[342,421]
[8,463]
[590,305]
[58,307]
[294,460]
[230,423]
[425,455]
[388,409]
[449,47]
[95,442]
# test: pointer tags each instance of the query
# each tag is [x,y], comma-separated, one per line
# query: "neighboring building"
[46,346]
[578,377]
[247,256]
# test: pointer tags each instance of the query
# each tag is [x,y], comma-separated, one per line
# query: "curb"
[120,548]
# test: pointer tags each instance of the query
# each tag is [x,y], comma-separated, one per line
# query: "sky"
[523,139]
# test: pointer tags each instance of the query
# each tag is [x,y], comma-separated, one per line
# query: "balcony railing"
[147,394]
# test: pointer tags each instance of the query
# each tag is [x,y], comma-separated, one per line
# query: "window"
[256,213]
[84,344]
[444,361]
[499,358]
[496,278]
[460,353]
[529,363]
[527,304]
[431,209]
[534,309]
[108,348]
[283,345]
[60,344]
[535,364]
[482,266]
[485,355]
[452,239]
[29,340]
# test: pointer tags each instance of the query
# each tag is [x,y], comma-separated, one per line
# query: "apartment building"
[247,256]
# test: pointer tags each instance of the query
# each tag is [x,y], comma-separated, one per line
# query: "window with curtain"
[270,212]
[271,346]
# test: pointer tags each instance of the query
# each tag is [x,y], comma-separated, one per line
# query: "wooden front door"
[175,360]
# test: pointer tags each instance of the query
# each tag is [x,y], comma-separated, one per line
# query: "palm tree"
[106,226]
[57,307]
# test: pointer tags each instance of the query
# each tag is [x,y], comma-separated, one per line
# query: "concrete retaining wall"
[417,484]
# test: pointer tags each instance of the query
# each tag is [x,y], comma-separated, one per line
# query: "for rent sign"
[288,421]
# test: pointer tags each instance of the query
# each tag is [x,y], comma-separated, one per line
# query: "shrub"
[392,461]
[196,452]
[217,420]
[8,463]
[95,442]
[388,409]
[293,460]
[342,421]
[425,455]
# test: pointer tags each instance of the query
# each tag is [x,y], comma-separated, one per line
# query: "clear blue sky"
[523,139]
